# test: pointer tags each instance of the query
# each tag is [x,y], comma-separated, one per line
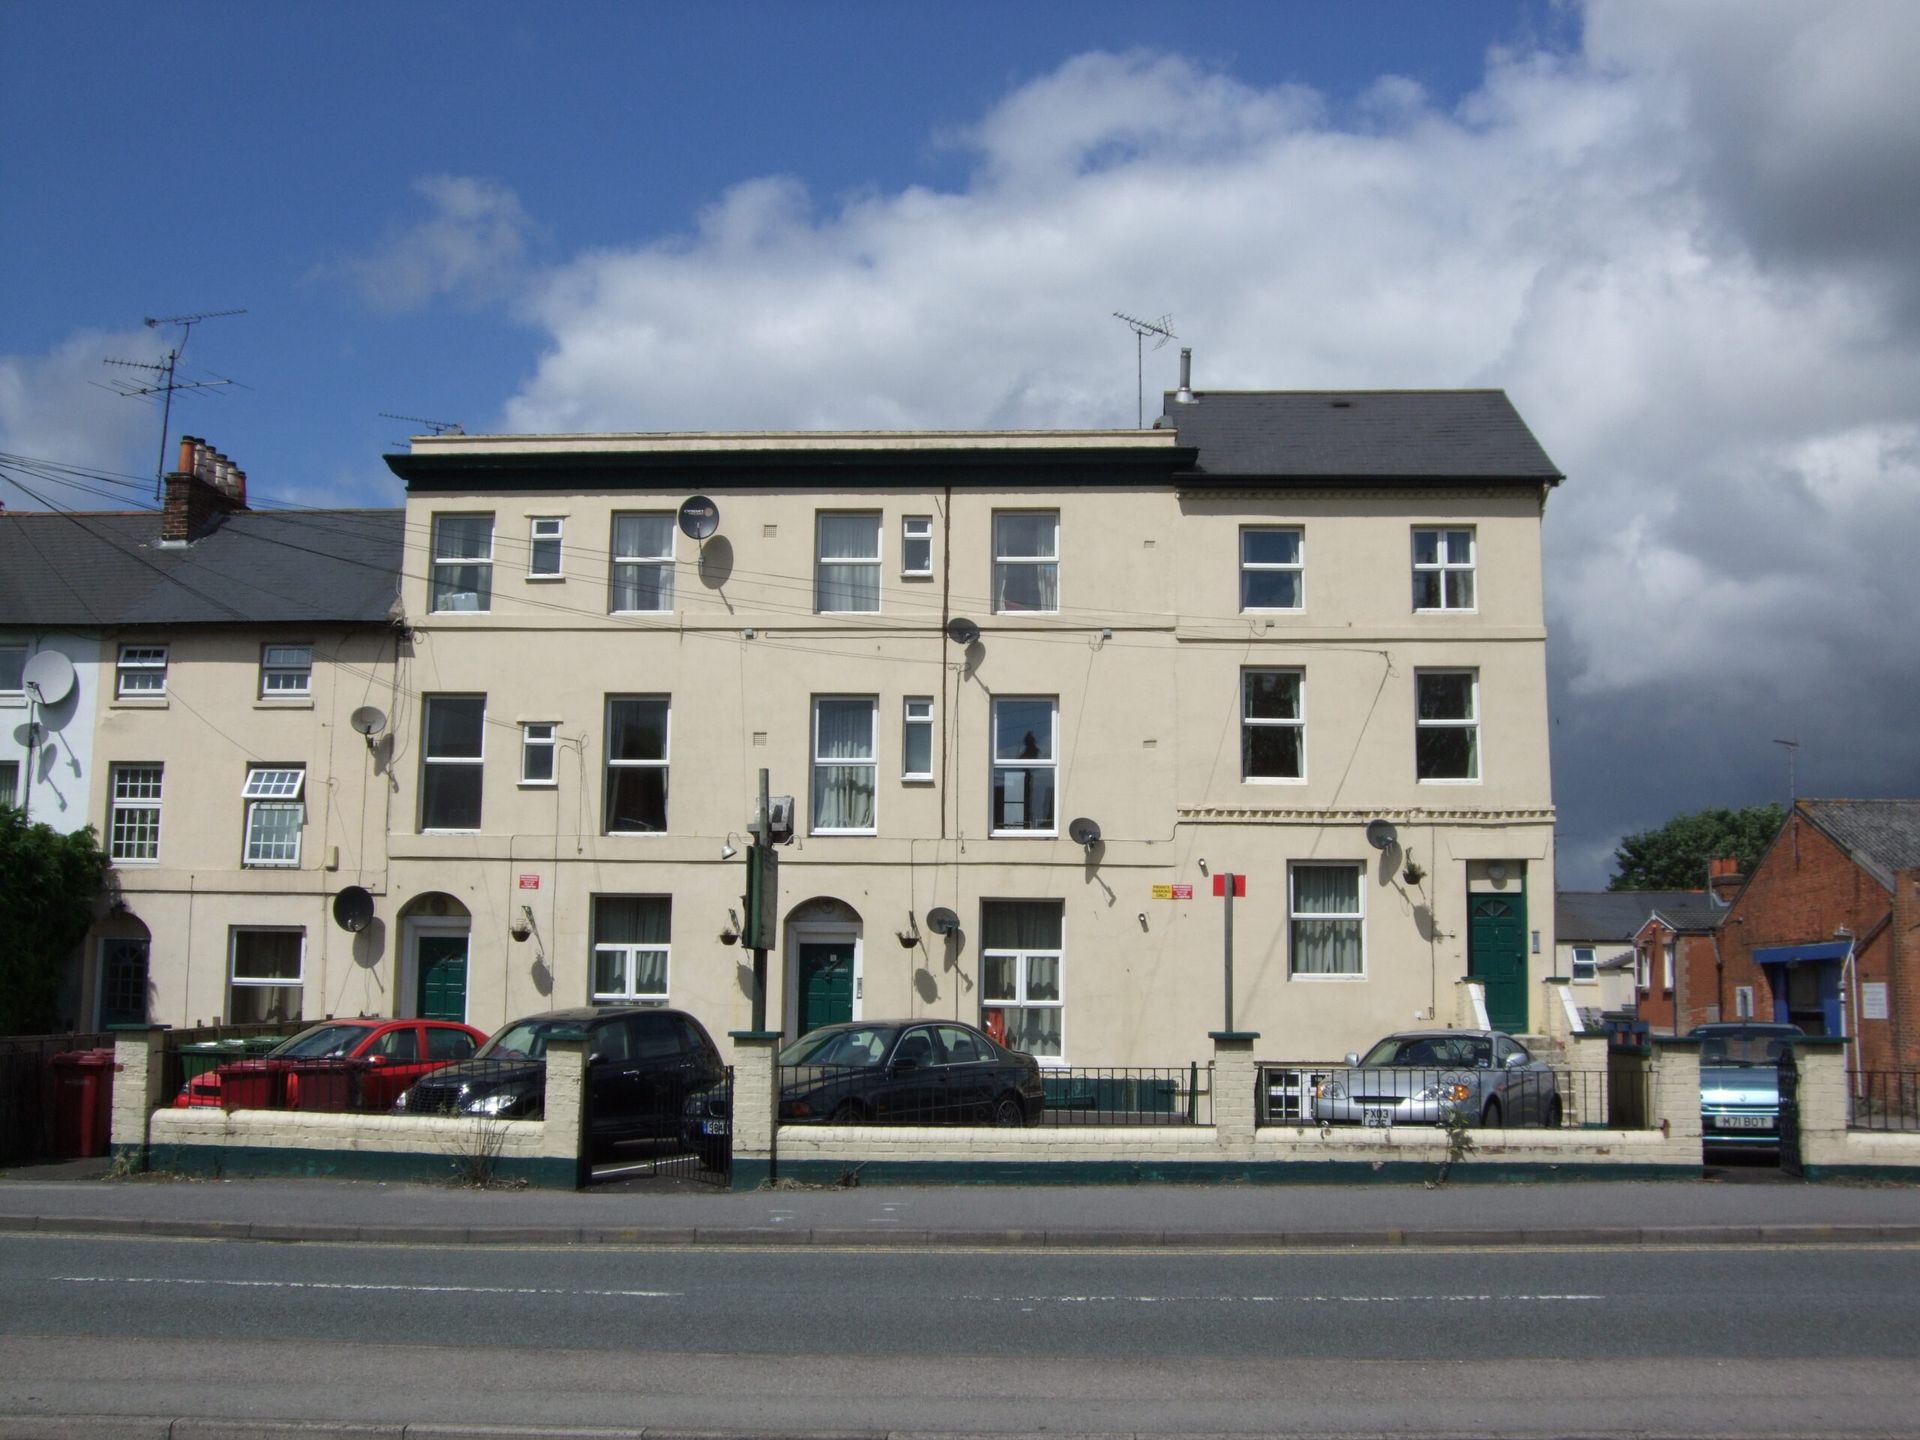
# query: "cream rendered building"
[1231,641]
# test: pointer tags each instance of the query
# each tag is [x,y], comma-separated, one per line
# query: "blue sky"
[1683,238]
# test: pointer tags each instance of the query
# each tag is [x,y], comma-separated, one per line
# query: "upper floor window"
[916,545]
[1583,962]
[847,569]
[286,670]
[1442,569]
[452,762]
[1024,764]
[916,738]
[539,742]
[844,766]
[142,670]
[642,562]
[632,945]
[545,534]
[1447,725]
[1666,955]
[462,562]
[275,813]
[1026,561]
[1272,725]
[133,823]
[1271,568]
[13,671]
[1326,934]
[637,741]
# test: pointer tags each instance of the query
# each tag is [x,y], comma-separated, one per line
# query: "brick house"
[1675,963]
[1826,932]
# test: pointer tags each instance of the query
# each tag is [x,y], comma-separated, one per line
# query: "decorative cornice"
[1403,815]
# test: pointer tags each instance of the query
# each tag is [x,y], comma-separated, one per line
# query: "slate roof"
[1691,915]
[1614,915]
[1882,835]
[265,566]
[1318,435]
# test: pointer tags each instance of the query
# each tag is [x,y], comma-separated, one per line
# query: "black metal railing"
[1129,1095]
[1336,1093]
[30,1126]
[1885,1100]
[199,1050]
[926,1095]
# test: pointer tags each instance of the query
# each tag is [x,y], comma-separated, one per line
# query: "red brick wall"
[1654,1002]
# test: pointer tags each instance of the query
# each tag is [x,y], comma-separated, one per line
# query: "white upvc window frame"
[1452,581]
[1250,723]
[1743,1002]
[916,546]
[235,981]
[1642,969]
[1357,917]
[444,568]
[1470,723]
[916,716]
[1667,948]
[1296,569]
[133,816]
[140,672]
[286,672]
[273,791]
[1050,762]
[1006,562]
[663,762]
[869,763]
[13,674]
[1583,963]
[10,786]
[629,956]
[428,759]
[868,563]
[546,539]
[631,563]
[1022,998]
[539,740]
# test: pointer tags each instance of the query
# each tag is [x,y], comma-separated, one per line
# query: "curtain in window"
[1330,946]
[632,920]
[642,586]
[1021,925]
[848,586]
[843,794]
[1026,571]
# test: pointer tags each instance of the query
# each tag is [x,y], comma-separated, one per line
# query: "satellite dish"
[699,518]
[942,921]
[49,675]
[962,631]
[1381,834]
[1084,832]
[369,720]
[353,908]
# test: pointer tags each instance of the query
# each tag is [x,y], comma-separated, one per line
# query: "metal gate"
[694,1149]
[1790,1113]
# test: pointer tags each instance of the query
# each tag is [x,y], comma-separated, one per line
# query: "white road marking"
[1028,1301]
[340,1285]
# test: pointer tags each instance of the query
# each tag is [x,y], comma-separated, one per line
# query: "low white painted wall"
[373,1134]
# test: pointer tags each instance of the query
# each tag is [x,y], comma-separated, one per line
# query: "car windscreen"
[1418,1050]
[526,1039]
[856,1045]
[1749,1048]
[320,1041]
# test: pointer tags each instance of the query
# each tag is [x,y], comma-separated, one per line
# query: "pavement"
[1724,1207]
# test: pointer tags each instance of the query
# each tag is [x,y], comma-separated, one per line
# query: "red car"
[395,1053]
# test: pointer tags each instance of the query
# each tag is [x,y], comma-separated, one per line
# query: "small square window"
[13,672]
[1443,563]
[142,671]
[544,558]
[538,745]
[916,741]
[285,670]
[1583,962]
[916,545]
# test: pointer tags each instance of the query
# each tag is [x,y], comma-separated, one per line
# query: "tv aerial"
[1162,331]
[165,380]
[436,427]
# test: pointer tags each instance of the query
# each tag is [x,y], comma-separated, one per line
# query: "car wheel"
[847,1112]
[1490,1117]
[1007,1110]
[1554,1113]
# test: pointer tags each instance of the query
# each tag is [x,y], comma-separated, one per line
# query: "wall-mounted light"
[727,850]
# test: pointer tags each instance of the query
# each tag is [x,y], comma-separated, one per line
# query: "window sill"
[1273,779]
[916,574]
[546,579]
[1326,979]
[539,785]
[1275,610]
[634,834]
[916,780]
[840,834]
[1441,780]
[139,702]
[638,614]
[1023,835]
[284,702]
[1443,610]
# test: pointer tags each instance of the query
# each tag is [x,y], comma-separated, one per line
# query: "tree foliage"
[1675,856]
[49,887]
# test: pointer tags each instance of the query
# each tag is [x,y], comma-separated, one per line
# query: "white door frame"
[818,932]
[406,1004]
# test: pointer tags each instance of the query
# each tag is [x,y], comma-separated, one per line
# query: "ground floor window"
[1325,920]
[632,937]
[268,983]
[1022,957]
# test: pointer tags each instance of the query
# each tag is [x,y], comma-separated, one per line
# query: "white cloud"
[57,406]
[471,247]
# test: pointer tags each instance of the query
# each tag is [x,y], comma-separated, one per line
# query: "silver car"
[1420,1077]
[1740,1082]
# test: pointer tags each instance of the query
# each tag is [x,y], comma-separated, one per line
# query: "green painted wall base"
[254,1162]
[751,1175]
[1900,1174]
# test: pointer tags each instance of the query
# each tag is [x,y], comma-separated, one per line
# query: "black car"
[641,1066]
[903,1072]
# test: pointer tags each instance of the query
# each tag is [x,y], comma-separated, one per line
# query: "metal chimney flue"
[1184,395]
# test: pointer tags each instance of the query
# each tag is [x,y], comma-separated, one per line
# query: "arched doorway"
[824,977]
[123,992]
[435,931]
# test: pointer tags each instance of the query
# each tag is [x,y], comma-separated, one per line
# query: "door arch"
[436,934]
[824,968]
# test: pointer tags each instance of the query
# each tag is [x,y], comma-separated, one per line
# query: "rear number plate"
[1743,1122]
[713,1127]
[1377,1119]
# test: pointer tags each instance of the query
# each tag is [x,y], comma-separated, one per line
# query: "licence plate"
[1743,1122]
[713,1127]
[1376,1119]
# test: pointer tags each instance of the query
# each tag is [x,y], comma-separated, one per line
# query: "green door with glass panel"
[1497,957]
[443,977]
[826,983]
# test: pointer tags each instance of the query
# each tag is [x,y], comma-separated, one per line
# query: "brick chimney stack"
[206,486]
[1724,880]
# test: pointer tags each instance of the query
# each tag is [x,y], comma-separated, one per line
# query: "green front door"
[1497,957]
[442,961]
[826,983]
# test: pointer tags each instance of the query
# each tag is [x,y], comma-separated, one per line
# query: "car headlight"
[1329,1090]
[492,1104]
[1444,1091]
[400,1105]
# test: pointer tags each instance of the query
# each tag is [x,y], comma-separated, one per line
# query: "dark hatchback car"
[642,1064]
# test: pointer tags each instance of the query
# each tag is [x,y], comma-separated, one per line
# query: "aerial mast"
[164,382]
[1163,330]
